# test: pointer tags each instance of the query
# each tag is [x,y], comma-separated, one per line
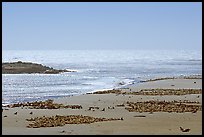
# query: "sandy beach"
[116,106]
[71,68]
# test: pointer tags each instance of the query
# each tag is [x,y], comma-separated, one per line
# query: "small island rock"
[28,68]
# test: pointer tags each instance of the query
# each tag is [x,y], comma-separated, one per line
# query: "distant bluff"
[28,68]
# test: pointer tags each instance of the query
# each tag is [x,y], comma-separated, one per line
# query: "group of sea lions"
[164,106]
[153,92]
[47,104]
[62,120]
[166,92]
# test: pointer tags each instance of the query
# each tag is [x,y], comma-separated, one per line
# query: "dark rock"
[28,67]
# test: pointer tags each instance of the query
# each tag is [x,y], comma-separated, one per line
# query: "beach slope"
[155,116]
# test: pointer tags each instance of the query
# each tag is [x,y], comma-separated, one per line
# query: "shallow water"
[95,69]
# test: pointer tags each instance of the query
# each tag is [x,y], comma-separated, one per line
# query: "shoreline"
[115,106]
[120,87]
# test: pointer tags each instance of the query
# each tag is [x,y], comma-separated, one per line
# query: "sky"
[101,25]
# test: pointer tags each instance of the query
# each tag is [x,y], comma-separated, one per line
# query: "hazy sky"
[105,25]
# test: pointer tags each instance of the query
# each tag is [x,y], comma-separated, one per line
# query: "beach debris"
[90,108]
[115,91]
[193,77]
[5,116]
[164,106]
[103,109]
[59,120]
[47,104]
[194,111]
[111,107]
[139,116]
[62,131]
[159,91]
[156,79]
[120,105]
[166,78]
[15,113]
[172,85]
[194,82]
[150,112]
[184,130]
[31,113]
[121,83]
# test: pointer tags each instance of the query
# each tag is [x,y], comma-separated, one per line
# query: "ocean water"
[95,70]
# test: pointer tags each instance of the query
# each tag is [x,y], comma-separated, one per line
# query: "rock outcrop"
[28,68]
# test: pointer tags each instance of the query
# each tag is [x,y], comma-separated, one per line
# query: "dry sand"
[158,123]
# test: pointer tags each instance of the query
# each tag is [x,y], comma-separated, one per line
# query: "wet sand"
[113,106]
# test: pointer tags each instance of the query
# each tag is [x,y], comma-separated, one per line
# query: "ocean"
[94,70]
